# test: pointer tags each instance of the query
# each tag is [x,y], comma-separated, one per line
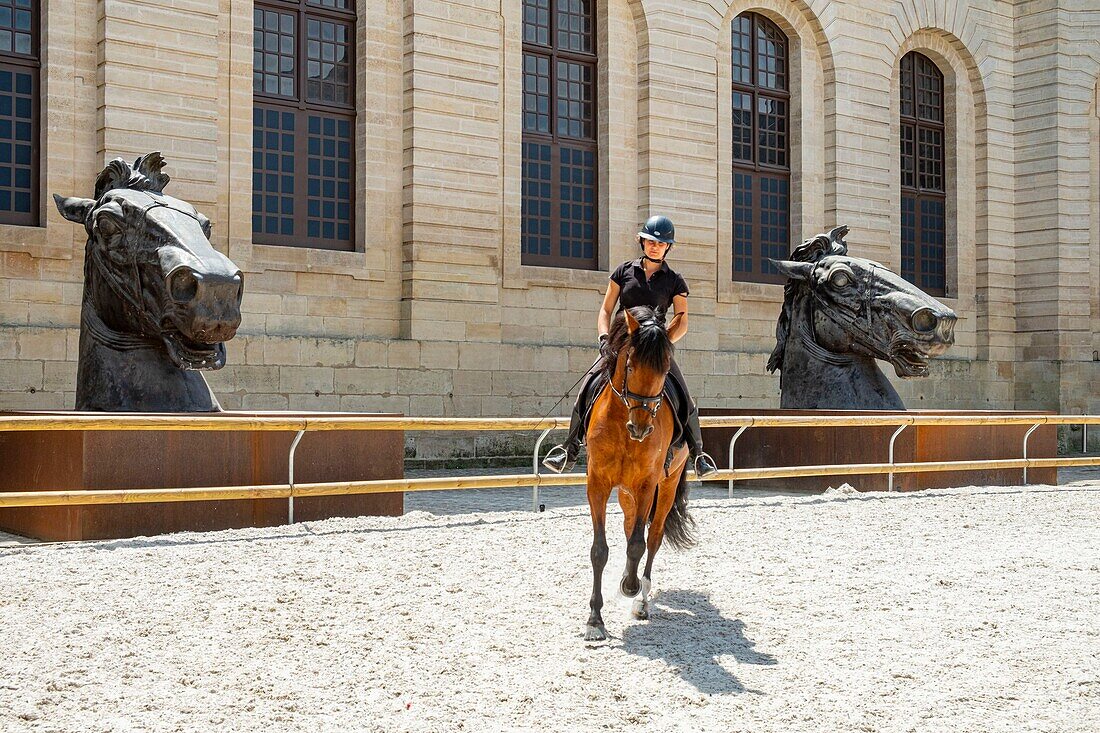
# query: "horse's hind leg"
[597,503]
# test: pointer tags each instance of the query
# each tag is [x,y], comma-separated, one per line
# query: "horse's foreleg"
[635,522]
[666,495]
[597,502]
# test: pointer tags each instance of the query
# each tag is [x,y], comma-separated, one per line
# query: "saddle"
[672,396]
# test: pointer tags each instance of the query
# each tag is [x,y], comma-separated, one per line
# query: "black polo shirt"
[657,292]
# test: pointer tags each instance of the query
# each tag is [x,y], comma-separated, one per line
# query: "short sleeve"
[681,287]
[619,275]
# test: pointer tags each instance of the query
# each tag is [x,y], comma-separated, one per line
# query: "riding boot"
[563,457]
[693,434]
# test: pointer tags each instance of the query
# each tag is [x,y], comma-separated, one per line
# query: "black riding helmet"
[658,229]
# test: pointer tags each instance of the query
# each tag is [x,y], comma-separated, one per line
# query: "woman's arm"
[679,324]
[610,298]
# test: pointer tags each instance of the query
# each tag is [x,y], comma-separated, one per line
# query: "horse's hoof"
[627,590]
[595,633]
[640,609]
[641,615]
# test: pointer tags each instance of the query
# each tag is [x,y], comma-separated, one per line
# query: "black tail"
[679,525]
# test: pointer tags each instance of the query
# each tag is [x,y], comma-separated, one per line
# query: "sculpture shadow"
[689,633]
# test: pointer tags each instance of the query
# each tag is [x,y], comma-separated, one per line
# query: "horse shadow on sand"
[690,634]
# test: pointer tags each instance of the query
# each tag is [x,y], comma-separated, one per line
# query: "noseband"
[650,404]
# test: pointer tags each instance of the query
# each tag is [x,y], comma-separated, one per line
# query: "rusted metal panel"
[74,460]
[770,447]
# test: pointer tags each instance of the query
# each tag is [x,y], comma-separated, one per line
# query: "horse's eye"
[924,321]
[839,279]
[108,225]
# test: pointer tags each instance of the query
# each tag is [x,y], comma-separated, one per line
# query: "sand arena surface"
[959,610]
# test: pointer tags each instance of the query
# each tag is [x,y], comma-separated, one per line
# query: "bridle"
[650,404]
[130,294]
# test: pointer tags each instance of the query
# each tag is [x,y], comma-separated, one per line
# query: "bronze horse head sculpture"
[840,314]
[159,301]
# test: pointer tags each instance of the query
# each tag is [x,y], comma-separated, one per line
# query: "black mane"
[652,346]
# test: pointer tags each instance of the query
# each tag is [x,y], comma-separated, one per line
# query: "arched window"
[761,148]
[560,182]
[923,184]
[303,117]
[19,112]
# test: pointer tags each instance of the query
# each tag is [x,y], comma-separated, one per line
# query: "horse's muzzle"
[638,433]
[207,306]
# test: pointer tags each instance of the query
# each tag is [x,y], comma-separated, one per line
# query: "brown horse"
[629,435]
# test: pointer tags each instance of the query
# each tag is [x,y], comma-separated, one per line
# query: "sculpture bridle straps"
[809,340]
[650,404]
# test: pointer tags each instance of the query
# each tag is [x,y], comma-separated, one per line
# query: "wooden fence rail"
[61,421]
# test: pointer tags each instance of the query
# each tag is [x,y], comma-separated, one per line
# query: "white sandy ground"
[969,610]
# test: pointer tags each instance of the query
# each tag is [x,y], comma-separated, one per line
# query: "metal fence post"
[890,484]
[733,442]
[290,464]
[1027,435]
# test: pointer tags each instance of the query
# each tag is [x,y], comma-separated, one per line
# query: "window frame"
[756,168]
[301,106]
[916,194]
[554,54]
[17,62]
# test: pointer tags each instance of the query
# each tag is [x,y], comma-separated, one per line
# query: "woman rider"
[649,281]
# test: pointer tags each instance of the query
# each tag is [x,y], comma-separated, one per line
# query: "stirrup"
[704,466]
[558,461]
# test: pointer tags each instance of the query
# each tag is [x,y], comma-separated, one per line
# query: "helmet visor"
[652,238]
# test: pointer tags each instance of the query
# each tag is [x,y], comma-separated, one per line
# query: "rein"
[103,334]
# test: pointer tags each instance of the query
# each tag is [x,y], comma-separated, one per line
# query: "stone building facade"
[433,311]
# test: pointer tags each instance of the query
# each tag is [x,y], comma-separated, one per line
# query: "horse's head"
[149,266]
[857,306]
[642,357]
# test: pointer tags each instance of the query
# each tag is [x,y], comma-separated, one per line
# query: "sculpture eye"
[924,321]
[205,224]
[839,279]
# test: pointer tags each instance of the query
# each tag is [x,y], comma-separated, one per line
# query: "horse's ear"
[836,238]
[795,270]
[74,208]
[631,322]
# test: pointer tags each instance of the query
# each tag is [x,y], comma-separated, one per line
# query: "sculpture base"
[773,447]
[75,460]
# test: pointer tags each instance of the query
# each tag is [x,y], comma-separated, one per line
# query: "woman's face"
[654,250]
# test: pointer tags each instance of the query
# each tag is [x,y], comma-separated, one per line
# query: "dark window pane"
[559,165]
[575,25]
[771,55]
[923,212]
[761,148]
[741,60]
[272,194]
[328,150]
[18,143]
